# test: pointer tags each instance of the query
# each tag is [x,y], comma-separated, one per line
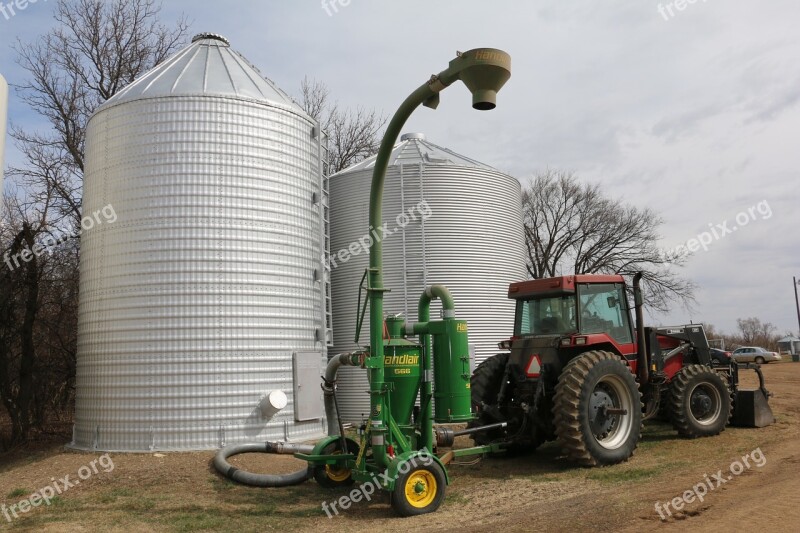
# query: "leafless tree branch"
[572,227]
[352,135]
[95,49]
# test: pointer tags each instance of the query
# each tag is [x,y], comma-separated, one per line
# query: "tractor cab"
[573,306]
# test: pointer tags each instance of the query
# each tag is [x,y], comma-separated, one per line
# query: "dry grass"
[181,492]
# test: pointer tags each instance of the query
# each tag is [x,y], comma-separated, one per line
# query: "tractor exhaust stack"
[642,364]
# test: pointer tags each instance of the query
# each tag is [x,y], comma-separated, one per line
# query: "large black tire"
[485,385]
[420,489]
[589,384]
[700,402]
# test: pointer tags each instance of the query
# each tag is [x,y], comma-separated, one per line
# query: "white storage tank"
[203,315]
[453,221]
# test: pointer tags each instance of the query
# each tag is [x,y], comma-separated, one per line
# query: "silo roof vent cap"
[410,136]
[211,36]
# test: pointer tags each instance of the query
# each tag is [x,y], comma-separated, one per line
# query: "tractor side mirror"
[612,302]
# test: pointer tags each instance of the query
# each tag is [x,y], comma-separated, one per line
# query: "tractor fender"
[425,458]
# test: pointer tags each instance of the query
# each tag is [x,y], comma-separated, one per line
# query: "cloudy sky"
[691,112]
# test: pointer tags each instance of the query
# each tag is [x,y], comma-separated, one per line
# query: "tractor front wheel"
[699,401]
[597,410]
[419,488]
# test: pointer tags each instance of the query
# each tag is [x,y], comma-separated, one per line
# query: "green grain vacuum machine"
[399,448]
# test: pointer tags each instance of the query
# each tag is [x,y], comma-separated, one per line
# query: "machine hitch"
[445,437]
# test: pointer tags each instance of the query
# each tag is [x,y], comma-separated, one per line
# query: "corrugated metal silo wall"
[470,239]
[195,299]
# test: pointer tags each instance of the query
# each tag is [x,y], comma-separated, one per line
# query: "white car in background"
[754,354]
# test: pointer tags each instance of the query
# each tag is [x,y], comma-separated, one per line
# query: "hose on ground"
[262,480]
[295,478]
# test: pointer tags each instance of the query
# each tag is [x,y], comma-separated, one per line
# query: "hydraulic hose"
[262,480]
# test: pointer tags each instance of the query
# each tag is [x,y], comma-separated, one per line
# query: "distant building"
[789,344]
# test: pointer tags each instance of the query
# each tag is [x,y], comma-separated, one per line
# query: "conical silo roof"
[414,148]
[207,67]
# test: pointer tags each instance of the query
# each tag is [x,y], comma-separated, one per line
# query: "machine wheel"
[700,402]
[485,385]
[760,360]
[589,385]
[332,476]
[420,489]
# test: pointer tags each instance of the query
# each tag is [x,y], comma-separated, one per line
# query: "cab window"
[546,316]
[604,309]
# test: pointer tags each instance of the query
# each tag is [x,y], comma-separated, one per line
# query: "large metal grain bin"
[203,303]
[449,219]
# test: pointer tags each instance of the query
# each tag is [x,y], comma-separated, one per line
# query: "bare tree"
[20,289]
[352,135]
[757,333]
[573,228]
[95,49]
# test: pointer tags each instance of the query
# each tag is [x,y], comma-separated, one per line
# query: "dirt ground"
[181,491]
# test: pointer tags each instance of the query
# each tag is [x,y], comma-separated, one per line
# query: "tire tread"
[566,408]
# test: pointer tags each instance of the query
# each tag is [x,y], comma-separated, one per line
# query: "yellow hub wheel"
[337,474]
[421,488]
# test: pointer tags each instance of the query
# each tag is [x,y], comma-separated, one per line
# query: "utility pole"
[796,303]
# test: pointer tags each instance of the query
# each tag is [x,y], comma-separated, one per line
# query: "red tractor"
[580,371]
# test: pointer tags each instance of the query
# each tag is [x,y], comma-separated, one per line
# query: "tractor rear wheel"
[597,410]
[485,386]
[700,402]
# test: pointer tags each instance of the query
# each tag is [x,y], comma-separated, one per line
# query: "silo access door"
[308,403]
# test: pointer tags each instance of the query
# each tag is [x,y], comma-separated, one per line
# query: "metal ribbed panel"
[472,242]
[194,301]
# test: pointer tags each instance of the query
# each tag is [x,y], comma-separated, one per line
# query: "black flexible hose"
[262,480]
